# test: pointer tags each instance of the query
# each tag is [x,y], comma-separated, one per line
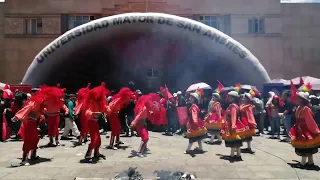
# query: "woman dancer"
[247,118]
[95,104]
[305,134]
[214,120]
[232,127]
[30,114]
[196,129]
[147,107]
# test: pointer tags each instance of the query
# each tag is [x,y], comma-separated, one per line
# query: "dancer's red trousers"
[84,124]
[31,138]
[53,121]
[115,124]
[93,127]
[142,132]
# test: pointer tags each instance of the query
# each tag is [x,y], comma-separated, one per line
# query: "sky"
[300,1]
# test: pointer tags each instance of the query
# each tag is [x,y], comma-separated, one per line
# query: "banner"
[182,115]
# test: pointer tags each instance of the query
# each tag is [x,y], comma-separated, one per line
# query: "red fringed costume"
[78,110]
[94,105]
[147,107]
[53,106]
[118,102]
[247,119]
[163,116]
[30,114]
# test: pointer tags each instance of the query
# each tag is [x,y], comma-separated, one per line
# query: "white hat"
[233,93]
[304,95]
[28,95]
[313,97]
[139,92]
[217,95]
[174,94]
[179,93]
[109,98]
[271,93]
[195,95]
[248,96]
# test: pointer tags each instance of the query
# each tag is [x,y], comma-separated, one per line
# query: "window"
[153,84]
[256,25]
[210,21]
[153,73]
[75,21]
[33,26]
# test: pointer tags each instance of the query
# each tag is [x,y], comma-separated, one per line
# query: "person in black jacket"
[172,117]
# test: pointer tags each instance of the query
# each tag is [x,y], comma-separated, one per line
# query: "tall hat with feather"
[197,94]
[121,99]
[304,94]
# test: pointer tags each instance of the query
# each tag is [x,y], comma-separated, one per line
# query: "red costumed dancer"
[166,96]
[55,103]
[78,111]
[232,126]
[214,120]
[94,105]
[247,118]
[305,134]
[30,114]
[147,107]
[118,102]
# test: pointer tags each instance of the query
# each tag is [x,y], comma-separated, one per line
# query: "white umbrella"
[201,85]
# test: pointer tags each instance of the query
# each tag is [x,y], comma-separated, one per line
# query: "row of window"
[34,25]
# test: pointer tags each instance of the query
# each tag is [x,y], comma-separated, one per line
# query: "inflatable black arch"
[113,47]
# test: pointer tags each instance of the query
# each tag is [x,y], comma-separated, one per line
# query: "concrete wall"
[289,48]
[2,52]
[301,39]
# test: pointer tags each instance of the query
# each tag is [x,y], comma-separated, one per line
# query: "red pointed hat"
[97,95]
[124,93]
[7,93]
[83,91]
[54,93]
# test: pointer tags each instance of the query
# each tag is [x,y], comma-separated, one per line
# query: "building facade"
[284,37]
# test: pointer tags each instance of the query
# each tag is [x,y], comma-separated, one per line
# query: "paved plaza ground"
[166,153]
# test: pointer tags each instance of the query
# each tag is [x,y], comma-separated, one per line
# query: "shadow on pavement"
[31,163]
[90,161]
[297,165]
[228,158]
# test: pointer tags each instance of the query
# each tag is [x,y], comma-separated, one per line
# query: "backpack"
[258,104]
